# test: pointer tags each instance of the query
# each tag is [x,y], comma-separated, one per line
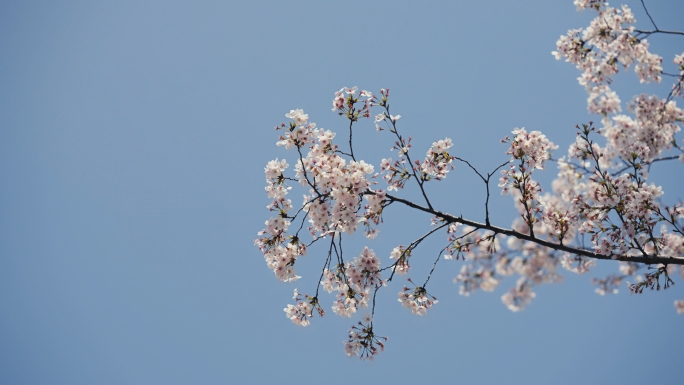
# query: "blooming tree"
[602,191]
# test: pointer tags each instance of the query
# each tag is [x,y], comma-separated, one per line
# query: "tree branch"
[650,259]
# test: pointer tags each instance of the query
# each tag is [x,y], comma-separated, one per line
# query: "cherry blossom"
[437,159]
[417,299]
[601,204]
[362,340]
[679,305]
[301,312]
[519,296]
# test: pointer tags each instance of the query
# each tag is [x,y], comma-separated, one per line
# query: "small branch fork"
[486,182]
[657,30]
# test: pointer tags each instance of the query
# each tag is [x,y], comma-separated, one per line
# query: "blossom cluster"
[645,136]
[417,299]
[477,250]
[530,150]
[598,50]
[395,173]
[487,262]
[345,101]
[679,84]
[401,256]
[620,210]
[373,214]
[337,187]
[437,159]
[362,340]
[519,296]
[302,311]
[353,283]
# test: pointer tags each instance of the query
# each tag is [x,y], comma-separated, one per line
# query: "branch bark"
[652,259]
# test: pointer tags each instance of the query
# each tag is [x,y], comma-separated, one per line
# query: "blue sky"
[133,137]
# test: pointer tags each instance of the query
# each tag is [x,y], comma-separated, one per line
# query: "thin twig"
[649,15]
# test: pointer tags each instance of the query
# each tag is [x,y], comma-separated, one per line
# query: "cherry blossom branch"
[620,212]
[650,259]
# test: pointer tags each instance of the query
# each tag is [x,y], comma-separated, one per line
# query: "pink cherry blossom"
[600,206]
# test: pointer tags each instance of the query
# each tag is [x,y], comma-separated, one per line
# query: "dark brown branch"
[351,149]
[649,15]
[649,259]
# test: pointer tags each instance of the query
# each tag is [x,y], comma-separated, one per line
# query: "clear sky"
[133,137]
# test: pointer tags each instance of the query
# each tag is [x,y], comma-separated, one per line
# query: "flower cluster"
[302,311]
[395,173]
[299,132]
[362,340]
[679,306]
[608,285]
[437,159]
[519,296]
[373,214]
[633,201]
[345,103]
[363,273]
[353,283]
[417,299]
[280,255]
[559,217]
[348,300]
[652,281]
[648,134]
[477,250]
[531,149]
[334,200]
[474,277]
[679,84]
[401,255]
[599,49]
[577,264]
